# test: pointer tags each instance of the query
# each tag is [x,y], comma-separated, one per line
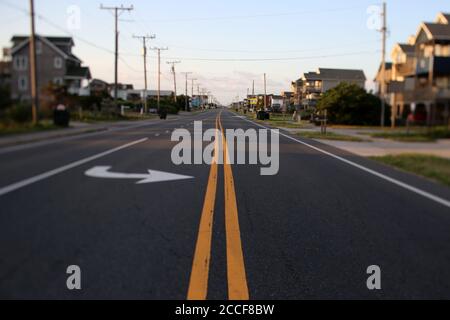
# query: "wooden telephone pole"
[33,71]
[265,92]
[383,66]
[117,11]
[159,73]
[192,87]
[173,63]
[144,53]
[186,107]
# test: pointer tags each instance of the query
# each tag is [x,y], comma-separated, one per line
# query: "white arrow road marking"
[152,176]
[48,174]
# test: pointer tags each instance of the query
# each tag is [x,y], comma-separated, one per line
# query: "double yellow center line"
[237,279]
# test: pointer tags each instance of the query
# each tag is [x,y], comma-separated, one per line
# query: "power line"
[253,16]
[199,59]
[275,59]
[56,26]
[274,51]
[78,38]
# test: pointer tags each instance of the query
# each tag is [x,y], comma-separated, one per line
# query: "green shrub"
[306,114]
[20,113]
[5,100]
[349,104]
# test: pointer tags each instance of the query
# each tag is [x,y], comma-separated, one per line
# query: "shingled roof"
[407,48]
[335,74]
[437,31]
[443,18]
[52,39]
[339,74]
[57,43]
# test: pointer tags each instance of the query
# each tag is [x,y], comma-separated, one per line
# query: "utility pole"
[253,92]
[159,73]
[144,53]
[192,88]
[265,92]
[116,10]
[33,71]
[383,66]
[173,63]
[203,94]
[186,74]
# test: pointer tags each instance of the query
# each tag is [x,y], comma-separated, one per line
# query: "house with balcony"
[400,82]
[127,92]
[288,99]
[296,88]
[315,84]
[276,103]
[431,94]
[98,88]
[55,64]
[419,83]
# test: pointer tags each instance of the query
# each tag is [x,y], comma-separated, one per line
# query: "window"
[442,50]
[58,63]
[423,63]
[443,82]
[23,83]
[58,81]
[428,51]
[38,47]
[401,58]
[20,63]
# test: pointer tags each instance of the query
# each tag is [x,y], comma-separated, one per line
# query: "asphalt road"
[309,232]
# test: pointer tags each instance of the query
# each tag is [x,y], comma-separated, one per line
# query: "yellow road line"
[237,279]
[198,286]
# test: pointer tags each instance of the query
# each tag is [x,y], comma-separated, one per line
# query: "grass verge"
[19,128]
[329,136]
[92,117]
[435,168]
[415,136]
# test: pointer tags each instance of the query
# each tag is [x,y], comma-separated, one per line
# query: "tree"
[5,100]
[351,105]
